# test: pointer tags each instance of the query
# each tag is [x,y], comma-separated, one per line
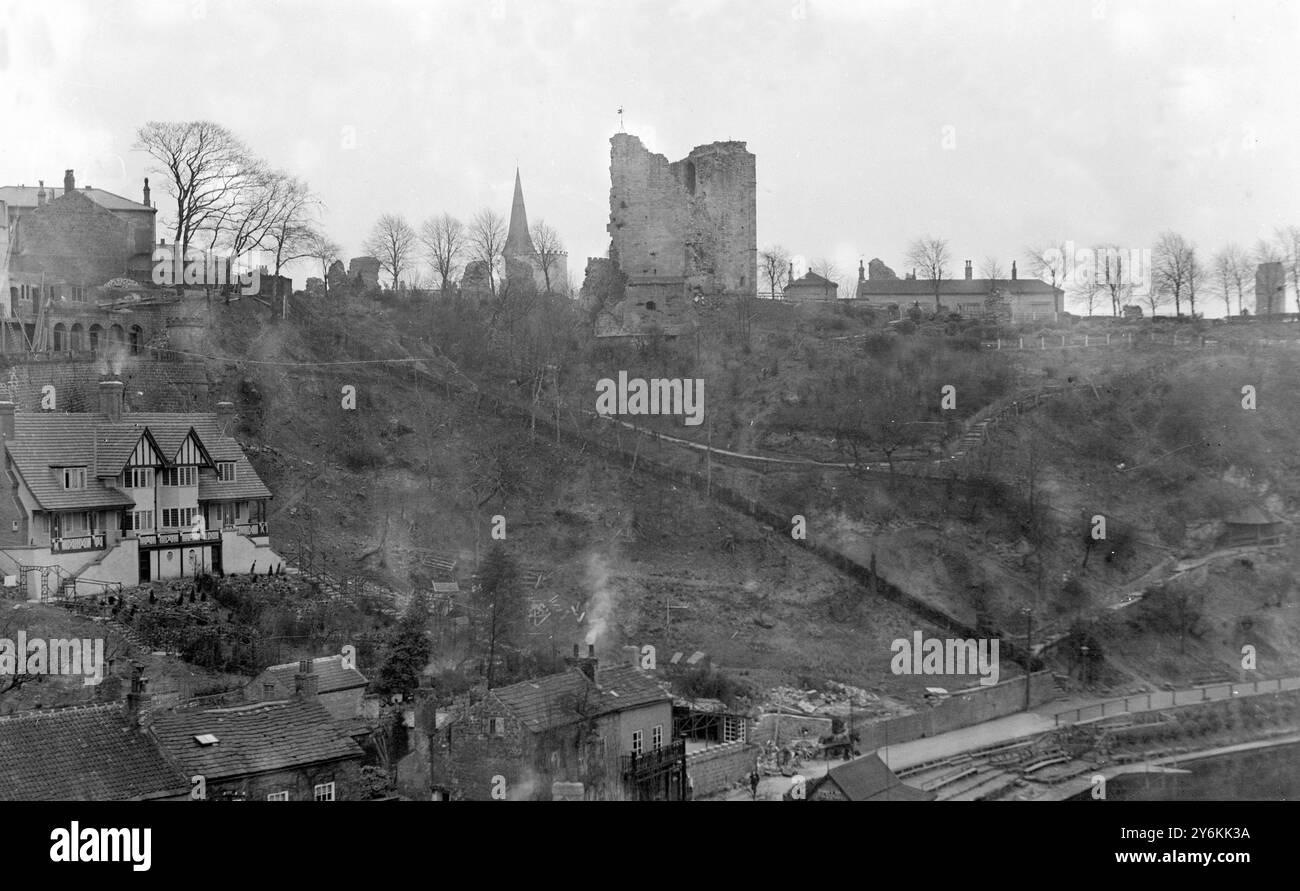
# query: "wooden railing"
[93,541]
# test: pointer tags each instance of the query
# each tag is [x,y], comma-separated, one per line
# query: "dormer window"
[226,471]
[73,477]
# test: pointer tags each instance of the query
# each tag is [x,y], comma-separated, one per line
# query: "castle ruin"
[680,233]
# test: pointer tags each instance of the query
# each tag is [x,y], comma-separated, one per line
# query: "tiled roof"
[81,754]
[868,779]
[329,670]
[253,739]
[811,279]
[25,196]
[559,699]
[45,440]
[954,287]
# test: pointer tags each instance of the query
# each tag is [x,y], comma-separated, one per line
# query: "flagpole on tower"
[620,119]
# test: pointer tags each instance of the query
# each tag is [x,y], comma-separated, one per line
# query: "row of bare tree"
[227,199]
[447,245]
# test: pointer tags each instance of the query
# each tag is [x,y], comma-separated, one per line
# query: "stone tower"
[1270,289]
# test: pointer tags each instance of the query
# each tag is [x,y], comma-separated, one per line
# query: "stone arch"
[76,338]
[690,177]
[650,305]
[96,337]
[60,337]
[116,335]
[136,335]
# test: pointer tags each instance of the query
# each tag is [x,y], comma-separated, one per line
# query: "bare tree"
[550,250]
[1049,263]
[487,241]
[1085,291]
[1195,277]
[392,242]
[1172,263]
[1111,276]
[991,268]
[774,266]
[291,233]
[444,243]
[929,257]
[826,269]
[203,163]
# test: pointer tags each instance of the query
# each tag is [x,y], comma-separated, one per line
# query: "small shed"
[1252,526]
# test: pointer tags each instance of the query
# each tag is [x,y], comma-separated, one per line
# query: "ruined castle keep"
[679,232]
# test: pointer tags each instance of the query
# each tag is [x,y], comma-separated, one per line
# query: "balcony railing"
[93,541]
[172,539]
[654,762]
[249,529]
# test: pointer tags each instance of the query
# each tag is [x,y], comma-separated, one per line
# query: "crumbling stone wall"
[679,232]
[1270,289]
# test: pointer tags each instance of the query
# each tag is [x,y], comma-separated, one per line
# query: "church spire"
[518,241]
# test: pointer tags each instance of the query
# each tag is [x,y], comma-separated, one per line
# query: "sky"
[994,124]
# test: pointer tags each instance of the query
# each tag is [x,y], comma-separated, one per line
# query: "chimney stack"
[110,399]
[1013,270]
[6,420]
[305,682]
[225,417]
[587,664]
[968,271]
[862,271]
[40,196]
[139,701]
[69,181]
[146,192]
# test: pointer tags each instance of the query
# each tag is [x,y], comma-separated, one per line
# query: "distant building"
[61,245]
[113,497]
[338,687]
[609,729]
[865,779]
[810,287]
[1252,526]
[289,750]
[1022,300]
[522,257]
[1270,289]
[364,272]
[80,753]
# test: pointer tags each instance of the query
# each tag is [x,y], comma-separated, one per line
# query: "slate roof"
[25,196]
[82,754]
[559,699]
[332,676]
[253,739]
[45,440]
[811,278]
[868,779]
[954,287]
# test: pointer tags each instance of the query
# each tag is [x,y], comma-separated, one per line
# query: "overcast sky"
[1081,120]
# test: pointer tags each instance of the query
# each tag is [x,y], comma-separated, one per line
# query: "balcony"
[93,541]
[176,539]
[248,529]
[639,768]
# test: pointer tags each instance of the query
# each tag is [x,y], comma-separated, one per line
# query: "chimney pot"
[968,271]
[1013,270]
[146,191]
[110,399]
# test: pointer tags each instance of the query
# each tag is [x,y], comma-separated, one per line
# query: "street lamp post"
[1029,650]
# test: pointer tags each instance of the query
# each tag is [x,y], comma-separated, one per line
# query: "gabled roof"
[811,278]
[559,699]
[868,779]
[43,440]
[332,676]
[25,196]
[82,754]
[253,739]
